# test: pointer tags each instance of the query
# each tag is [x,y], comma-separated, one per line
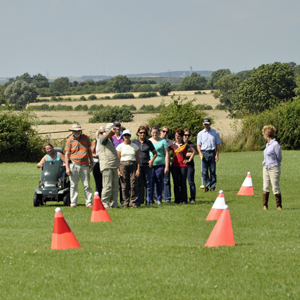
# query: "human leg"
[115,188]
[74,179]
[167,186]
[205,166]
[97,177]
[133,184]
[212,170]
[159,172]
[182,180]
[275,178]
[85,179]
[176,183]
[148,185]
[106,194]
[125,182]
[191,181]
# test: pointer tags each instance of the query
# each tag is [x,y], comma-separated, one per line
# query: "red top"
[179,154]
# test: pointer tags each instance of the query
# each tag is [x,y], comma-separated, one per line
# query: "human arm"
[91,158]
[137,157]
[109,134]
[167,160]
[191,155]
[41,163]
[119,158]
[217,153]
[67,162]
[199,150]
[93,148]
[62,158]
[152,159]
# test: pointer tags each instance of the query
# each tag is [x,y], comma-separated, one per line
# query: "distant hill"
[171,74]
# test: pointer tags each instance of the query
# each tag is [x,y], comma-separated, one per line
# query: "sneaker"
[167,201]
[192,202]
[212,190]
[205,190]
[158,202]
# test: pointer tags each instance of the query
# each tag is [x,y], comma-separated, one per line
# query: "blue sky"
[95,37]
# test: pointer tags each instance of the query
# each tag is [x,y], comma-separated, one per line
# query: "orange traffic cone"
[62,236]
[99,213]
[222,234]
[247,187]
[217,208]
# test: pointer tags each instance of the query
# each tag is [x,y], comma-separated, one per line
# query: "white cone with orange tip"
[217,208]
[222,234]
[247,187]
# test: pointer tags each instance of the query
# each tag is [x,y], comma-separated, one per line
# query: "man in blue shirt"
[208,144]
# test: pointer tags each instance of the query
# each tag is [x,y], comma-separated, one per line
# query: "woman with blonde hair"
[271,167]
[96,167]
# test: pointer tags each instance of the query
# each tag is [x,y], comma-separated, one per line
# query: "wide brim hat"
[109,126]
[76,127]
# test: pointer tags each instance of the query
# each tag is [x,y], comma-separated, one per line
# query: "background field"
[157,252]
[225,126]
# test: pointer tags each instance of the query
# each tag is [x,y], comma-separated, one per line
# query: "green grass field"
[156,252]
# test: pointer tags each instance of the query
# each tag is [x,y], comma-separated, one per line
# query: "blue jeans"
[158,180]
[146,174]
[179,178]
[191,181]
[209,163]
[167,186]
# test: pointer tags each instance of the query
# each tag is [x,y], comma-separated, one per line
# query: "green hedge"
[285,118]
[19,142]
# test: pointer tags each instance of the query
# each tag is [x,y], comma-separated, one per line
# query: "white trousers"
[271,176]
[80,172]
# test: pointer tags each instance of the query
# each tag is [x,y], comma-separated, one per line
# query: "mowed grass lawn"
[157,252]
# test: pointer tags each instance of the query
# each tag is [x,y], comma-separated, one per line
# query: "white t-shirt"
[127,151]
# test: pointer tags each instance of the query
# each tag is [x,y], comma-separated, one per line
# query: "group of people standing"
[141,168]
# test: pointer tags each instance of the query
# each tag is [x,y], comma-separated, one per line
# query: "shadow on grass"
[244,244]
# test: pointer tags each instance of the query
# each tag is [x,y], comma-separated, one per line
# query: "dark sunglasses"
[164,131]
[142,132]
[102,132]
[126,134]
[187,135]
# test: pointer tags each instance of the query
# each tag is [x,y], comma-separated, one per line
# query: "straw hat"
[76,127]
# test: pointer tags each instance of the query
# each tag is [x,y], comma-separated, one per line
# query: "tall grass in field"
[156,252]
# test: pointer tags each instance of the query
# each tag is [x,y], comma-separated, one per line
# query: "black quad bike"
[54,184]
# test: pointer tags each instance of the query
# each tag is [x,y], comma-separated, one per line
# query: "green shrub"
[285,118]
[203,106]
[150,108]
[19,141]
[148,95]
[180,115]
[110,114]
[92,97]
[123,96]
[130,107]
[221,107]
[82,98]
[105,97]
[96,107]
[198,93]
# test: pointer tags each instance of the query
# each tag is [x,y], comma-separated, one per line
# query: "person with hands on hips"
[146,163]
[208,146]
[79,164]
[129,169]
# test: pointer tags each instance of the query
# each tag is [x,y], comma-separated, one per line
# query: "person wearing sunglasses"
[96,167]
[145,163]
[179,166]
[167,180]
[191,165]
[129,169]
